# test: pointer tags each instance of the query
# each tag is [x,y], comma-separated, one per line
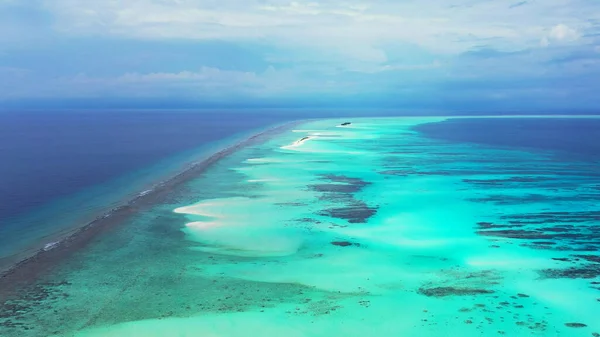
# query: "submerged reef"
[345,243]
[453,291]
[572,231]
[563,236]
[586,271]
[339,191]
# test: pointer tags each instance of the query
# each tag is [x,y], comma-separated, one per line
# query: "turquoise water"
[370,229]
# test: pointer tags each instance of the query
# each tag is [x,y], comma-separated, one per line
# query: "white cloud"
[206,83]
[320,45]
[356,28]
[560,33]
[563,32]
[210,76]
[211,83]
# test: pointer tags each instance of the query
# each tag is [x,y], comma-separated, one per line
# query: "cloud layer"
[271,49]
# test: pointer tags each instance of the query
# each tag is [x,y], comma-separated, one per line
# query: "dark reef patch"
[545,243]
[309,220]
[516,234]
[575,325]
[556,217]
[336,188]
[339,190]
[589,271]
[590,258]
[345,243]
[358,212]
[561,237]
[453,291]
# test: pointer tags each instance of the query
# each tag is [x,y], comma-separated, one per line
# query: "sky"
[456,54]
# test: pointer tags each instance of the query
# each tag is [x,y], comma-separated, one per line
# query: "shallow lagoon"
[369,229]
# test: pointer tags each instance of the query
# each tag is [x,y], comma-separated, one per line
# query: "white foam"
[51,245]
[143,193]
[202,225]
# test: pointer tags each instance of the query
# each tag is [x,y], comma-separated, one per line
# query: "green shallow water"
[370,229]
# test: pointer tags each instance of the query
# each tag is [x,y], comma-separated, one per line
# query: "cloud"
[563,33]
[560,33]
[207,83]
[268,48]
[210,76]
[566,75]
[364,25]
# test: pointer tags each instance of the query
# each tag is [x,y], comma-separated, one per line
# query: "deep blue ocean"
[55,166]
[568,138]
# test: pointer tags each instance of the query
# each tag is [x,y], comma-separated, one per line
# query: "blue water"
[56,164]
[567,138]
